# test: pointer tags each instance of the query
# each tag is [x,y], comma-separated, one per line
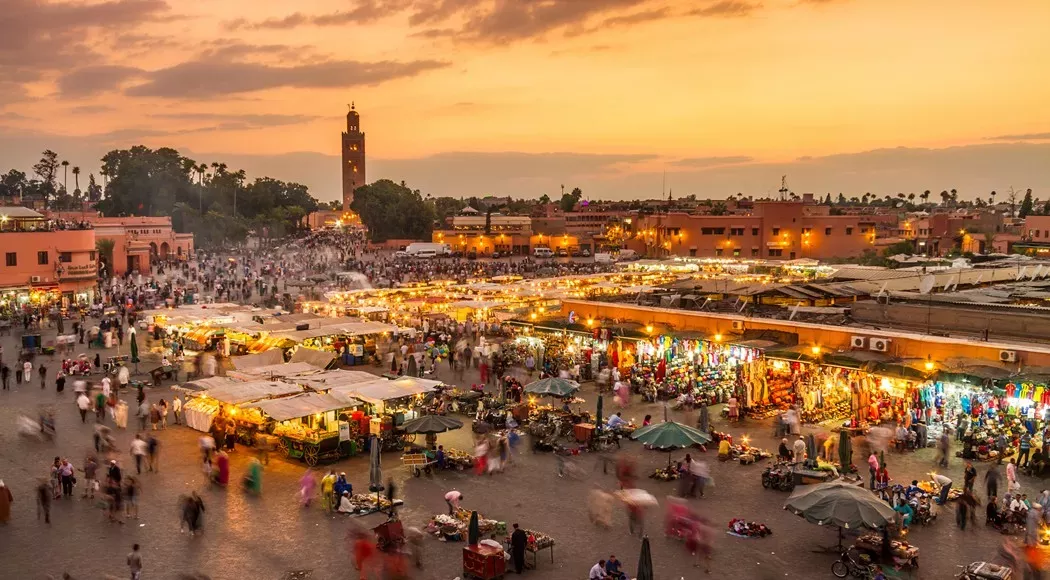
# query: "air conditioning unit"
[858,342]
[880,344]
[738,325]
[1009,356]
[34,279]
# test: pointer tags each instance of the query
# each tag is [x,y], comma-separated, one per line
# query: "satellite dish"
[927,283]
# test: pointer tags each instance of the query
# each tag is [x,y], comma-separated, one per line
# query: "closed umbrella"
[553,387]
[375,475]
[811,447]
[412,369]
[431,424]
[841,505]
[845,451]
[473,531]
[705,420]
[645,561]
[600,405]
[135,351]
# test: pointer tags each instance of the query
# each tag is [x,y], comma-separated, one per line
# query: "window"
[754,252]
[754,231]
[718,252]
[806,230]
[827,231]
[736,231]
[65,257]
[736,252]
[710,231]
[12,259]
[849,231]
[775,252]
[776,231]
[91,255]
[41,258]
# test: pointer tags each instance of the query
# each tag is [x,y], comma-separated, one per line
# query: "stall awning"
[346,328]
[316,358]
[249,361]
[239,393]
[300,406]
[856,359]
[335,379]
[209,383]
[793,354]
[386,390]
[272,371]
[896,371]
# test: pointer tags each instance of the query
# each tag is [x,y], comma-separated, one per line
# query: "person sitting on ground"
[992,513]
[598,571]
[612,569]
[783,453]
[616,421]
[913,489]
[906,512]
[345,507]
[342,486]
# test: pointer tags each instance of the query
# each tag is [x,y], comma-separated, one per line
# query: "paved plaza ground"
[271,536]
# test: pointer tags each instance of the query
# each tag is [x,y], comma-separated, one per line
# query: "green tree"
[446,207]
[827,199]
[1026,204]
[46,170]
[545,199]
[94,191]
[105,253]
[569,200]
[76,181]
[903,247]
[392,211]
[719,208]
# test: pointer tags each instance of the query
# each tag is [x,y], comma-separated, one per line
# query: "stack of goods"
[829,412]
[903,552]
[934,489]
[537,540]
[296,431]
[370,503]
[743,529]
[758,411]
[747,454]
[458,460]
[781,391]
[669,473]
[456,525]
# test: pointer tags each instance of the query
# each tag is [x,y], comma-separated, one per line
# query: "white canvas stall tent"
[300,406]
[328,380]
[291,369]
[249,361]
[240,393]
[379,391]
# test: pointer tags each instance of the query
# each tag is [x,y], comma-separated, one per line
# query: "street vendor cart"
[307,428]
[483,562]
[419,462]
[161,373]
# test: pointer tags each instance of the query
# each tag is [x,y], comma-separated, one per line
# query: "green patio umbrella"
[645,561]
[842,505]
[431,424]
[845,450]
[553,387]
[669,435]
[473,532]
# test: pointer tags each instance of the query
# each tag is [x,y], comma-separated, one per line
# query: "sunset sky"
[514,97]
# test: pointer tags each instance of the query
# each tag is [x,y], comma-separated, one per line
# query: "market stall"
[697,369]
[201,410]
[308,426]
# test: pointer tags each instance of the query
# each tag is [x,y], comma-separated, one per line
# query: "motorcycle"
[778,476]
[985,571]
[858,567]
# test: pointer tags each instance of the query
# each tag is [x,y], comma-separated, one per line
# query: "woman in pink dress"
[221,474]
[307,486]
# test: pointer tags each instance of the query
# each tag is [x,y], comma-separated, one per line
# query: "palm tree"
[991,198]
[911,198]
[945,196]
[65,176]
[76,182]
[925,196]
[955,196]
[864,198]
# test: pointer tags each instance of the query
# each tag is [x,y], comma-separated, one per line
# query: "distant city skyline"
[477,97]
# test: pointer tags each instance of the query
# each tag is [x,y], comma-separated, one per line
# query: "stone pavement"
[271,536]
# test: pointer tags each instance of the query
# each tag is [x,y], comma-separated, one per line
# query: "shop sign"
[344,431]
[89,270]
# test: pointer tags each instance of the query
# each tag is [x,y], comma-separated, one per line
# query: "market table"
[535,550]
[583,432]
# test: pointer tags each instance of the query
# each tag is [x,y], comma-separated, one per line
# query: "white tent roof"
[239,393]
[299,406]
[347,328]
[279,370]
[334,379]
[385,389]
